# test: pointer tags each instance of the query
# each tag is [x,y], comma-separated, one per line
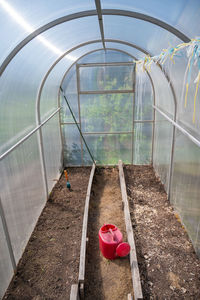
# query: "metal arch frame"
[89,13]
[93,42]
[46,76]
[38,118]
[39,96]
[75,48]
[153,133]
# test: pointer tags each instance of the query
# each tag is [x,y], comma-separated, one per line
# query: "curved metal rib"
[88,13]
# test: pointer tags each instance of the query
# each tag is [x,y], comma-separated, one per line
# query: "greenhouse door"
[108,114]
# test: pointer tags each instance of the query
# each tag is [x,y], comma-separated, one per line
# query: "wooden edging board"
[74,295]
[81,276]
[137,289]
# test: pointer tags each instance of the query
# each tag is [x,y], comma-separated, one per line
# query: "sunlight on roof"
[28,28]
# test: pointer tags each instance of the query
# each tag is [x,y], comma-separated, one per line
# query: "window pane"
[108,149]
[108,112]
[106,78]
[72,145]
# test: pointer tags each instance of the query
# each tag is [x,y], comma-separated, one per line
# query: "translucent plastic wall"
[53,151]
[163,134]
[176,154]
[185,105]
[162,148]
[22,192]
[185,189]
[115,124]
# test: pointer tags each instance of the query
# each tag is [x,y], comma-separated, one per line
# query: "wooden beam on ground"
[137,289]
[81,277]
[74,294]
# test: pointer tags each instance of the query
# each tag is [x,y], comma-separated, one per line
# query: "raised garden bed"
[169,267]
[50,263]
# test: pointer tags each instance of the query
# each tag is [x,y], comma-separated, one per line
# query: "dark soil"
[169,267]
[50,263]
[106,279]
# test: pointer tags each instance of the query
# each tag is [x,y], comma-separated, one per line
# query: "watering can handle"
[113,235]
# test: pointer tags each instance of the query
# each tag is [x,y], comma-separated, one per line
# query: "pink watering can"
[110,242]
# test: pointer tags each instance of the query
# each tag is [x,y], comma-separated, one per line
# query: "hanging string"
[195,96]
[193,53]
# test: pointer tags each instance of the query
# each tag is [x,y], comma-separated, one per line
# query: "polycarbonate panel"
[162,148]
[19,85]
[6,270]
[150,37]
[70,34]
[176,13]
[164,98]
[100,78]
[52,150]
[142,144]
[105,57]
[22,192]
[20,18]
[108,149]
[128,49]
[185,105]
[72,145]
[22,78]
[185,189]
[106,113]
[70,90]
[49,97]
[65,113]
[143,97]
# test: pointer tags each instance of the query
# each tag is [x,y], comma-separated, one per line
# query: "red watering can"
[110,242]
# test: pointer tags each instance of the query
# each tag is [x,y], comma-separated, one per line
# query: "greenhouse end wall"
[106,100]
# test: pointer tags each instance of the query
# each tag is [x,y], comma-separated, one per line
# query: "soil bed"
[50,262]
[169,267]
[106,279]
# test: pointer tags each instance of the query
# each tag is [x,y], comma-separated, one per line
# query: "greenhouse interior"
[95,82]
